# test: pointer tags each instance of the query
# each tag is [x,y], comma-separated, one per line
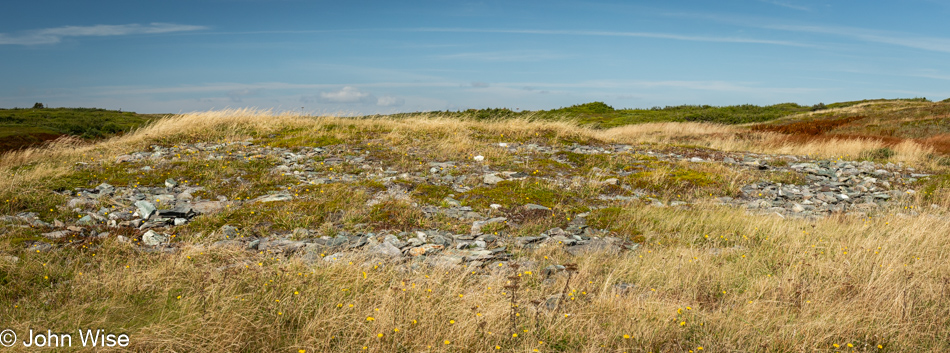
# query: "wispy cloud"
[239,94]
[502,56]
[884,37]
[716,86]
[656,35]
[786,5]
[55,35]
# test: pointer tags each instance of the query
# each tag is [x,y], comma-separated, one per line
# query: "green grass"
[28,127]
[601,115]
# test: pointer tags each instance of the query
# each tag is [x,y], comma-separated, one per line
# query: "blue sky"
[366,57]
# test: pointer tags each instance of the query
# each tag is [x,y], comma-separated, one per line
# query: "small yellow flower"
[370,318]
[447,342]
[626,337]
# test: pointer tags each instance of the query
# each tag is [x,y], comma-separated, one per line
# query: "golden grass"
[757,283]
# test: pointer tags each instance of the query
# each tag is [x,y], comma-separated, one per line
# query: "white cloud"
[348,94]
[55,35]
[239,94]
[390,101]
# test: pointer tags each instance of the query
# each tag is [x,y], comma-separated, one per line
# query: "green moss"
[395,215]
[45,203]
[431,194]
[936,187]
[511,193]
[678,181]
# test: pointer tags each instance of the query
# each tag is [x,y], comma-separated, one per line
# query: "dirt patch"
[13,143]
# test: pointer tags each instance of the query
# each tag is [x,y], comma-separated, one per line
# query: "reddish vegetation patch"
[940,143]
[12,143]
[814,127]
[802,132]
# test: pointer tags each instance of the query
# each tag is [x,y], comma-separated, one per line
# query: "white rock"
[479,158]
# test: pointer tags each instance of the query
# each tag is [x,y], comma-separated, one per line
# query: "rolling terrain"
[770,229]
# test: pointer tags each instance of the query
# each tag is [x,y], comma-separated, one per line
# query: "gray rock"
[477,225]
[596,245]
[170,183]
[336,257]
[552,270]
[532,206]
[392,239]
[229,231]
[479,255]
[39,246]
[274,198]
[285,246]
[85,220]
[145,209]
[207,207]
[385,249]
[80,202]
[491,179]
[624,288]
[228,243]
[524,241]
[445,261]
[152,238]
[55,235]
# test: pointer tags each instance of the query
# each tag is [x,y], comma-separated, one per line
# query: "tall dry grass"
[756,283]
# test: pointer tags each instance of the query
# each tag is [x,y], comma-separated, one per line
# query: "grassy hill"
[21,128]
[292,250]
[601,115]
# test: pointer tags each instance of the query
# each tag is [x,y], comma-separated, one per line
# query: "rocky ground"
[149,216]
